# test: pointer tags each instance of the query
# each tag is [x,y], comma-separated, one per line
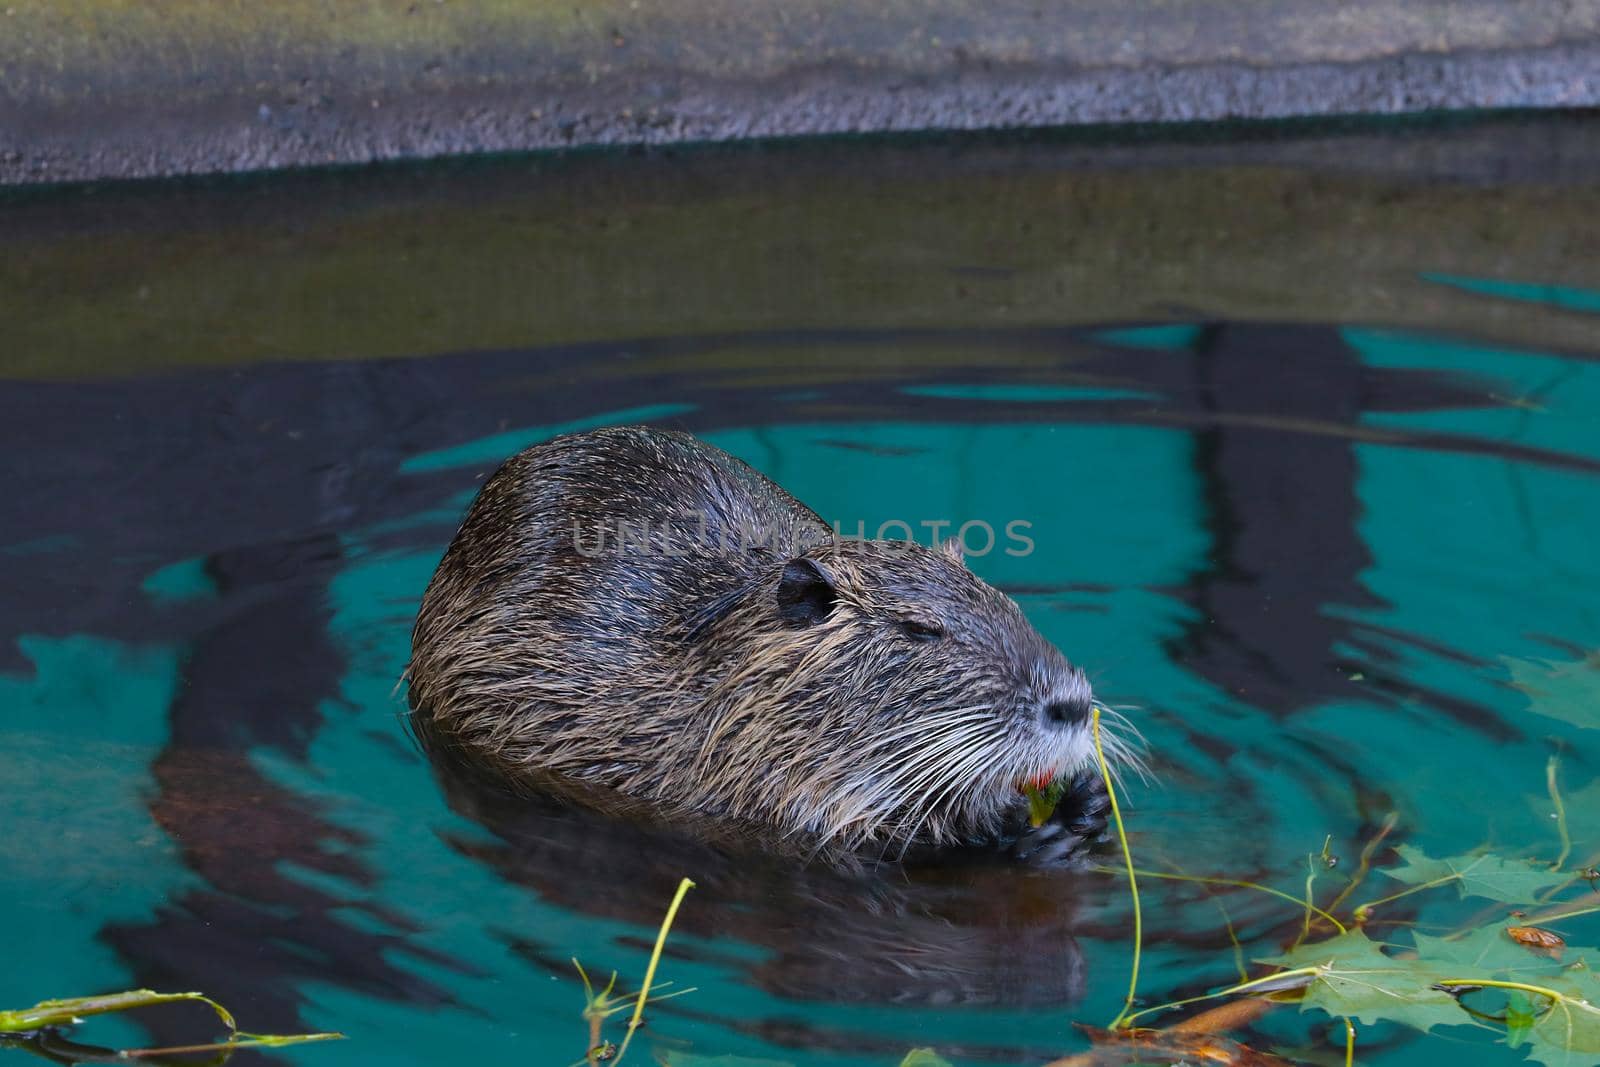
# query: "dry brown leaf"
[1537,939]
[1112,1047]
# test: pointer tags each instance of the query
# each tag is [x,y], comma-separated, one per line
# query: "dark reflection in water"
[938,935]
[261,473]
[1278,472]
[1280,511]
[197,463]
[974,934]
[255,679]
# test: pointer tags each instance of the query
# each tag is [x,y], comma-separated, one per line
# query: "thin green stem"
[1364,865]
[1280,894]
[1233,937]
[1561,813]
[1366,909]
[1556,998]
[655,957]
[1574,914]
[1233,990]
[67,1011]
[1489,983]
[1127,1020]
[1133,881]
[241,1041]
[1349,1043]
[1310,901]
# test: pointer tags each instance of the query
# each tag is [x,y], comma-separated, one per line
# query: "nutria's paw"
[1073,836]
[1075,833]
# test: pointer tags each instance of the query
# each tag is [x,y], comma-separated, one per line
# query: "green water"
[1299,554]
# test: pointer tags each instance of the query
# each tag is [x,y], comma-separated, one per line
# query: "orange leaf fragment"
[1167,1047]
[1544,942]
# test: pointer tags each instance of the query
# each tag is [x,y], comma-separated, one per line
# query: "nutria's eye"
[921,631]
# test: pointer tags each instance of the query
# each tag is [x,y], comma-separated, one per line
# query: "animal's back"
[581,575]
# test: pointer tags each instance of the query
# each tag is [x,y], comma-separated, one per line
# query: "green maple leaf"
[1509,881]
[1487,951]
[1568,690]
[1358,980]
[1564,1033]
[1568,1033]
[1521,1017]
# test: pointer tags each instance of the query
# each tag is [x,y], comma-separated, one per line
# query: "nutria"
[634,613]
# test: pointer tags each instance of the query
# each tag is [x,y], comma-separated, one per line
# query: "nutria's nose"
[1074,711]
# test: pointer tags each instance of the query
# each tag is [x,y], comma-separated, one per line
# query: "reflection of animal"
[636,610]
[941,933]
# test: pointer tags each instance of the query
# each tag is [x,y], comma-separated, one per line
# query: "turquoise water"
[1301,556]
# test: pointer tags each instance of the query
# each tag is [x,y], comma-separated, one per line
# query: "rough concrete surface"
[106,89]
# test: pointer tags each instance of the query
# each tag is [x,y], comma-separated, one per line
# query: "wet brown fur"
[789,687]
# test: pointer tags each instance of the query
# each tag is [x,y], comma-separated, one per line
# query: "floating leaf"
[1358,980]
[1563,1033]
[1538,940]
[1510,881]
[1520,1017]
[1565,690]
[924,1057]
[1568,1033]
[1486,951]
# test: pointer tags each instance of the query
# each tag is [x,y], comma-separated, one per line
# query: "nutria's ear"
[952,548]
[805,593]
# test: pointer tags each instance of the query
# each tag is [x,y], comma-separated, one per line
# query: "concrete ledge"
[97,89]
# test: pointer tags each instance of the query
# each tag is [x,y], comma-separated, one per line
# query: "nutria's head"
[879,694]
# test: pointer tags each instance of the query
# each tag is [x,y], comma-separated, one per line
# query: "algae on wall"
[510,253]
